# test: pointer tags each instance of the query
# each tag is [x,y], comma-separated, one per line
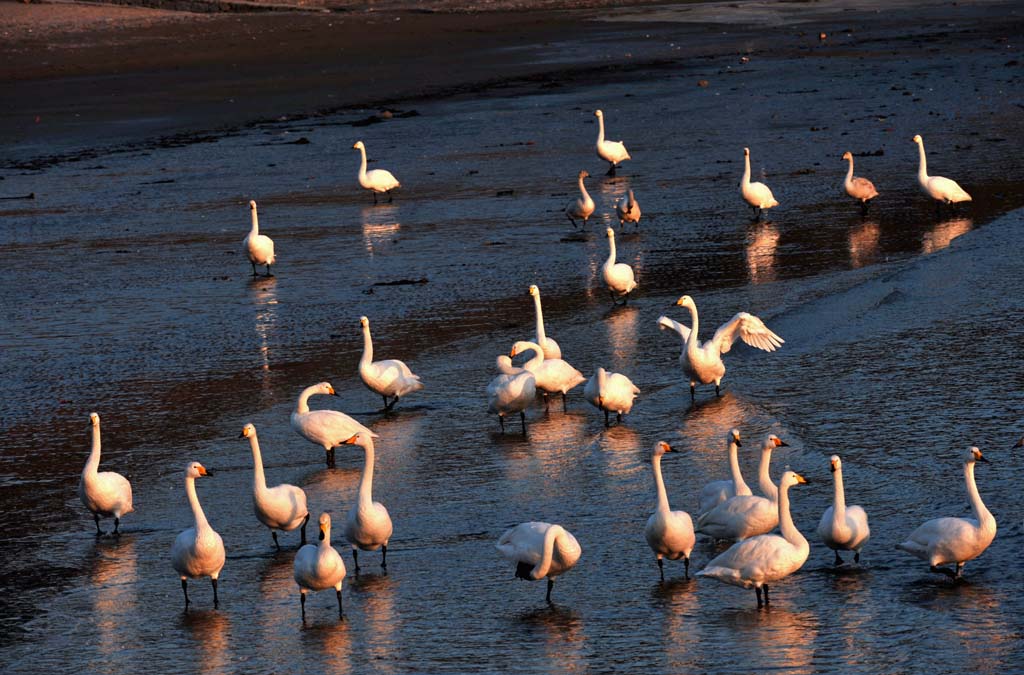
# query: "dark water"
[126,293]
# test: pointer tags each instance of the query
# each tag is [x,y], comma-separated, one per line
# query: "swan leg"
[943,570]
[305,520]
[760,603]
[564,404]
[611,169]
[253,269]
[501,421]
[330,457]
[838,560]
[551,584]
[959,570]
[686,568]
[96,517]
[547,402]
[302,602]
[117,524]
[570,219]
[856,557]
[766,600]
[216,601]
[522,417]
[355,558]
[384,556]
[606,424]
[390,197]
[184,588]
[661,568]
[618,418]
[273,533]
[374,193]
[863,209]
[693,392]
[386,406]
[718,391]
[340,615]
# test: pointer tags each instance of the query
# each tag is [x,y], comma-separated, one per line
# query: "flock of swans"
[728,510]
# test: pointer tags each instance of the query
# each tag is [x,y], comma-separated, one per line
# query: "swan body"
[942,190]
[552,376]
[377,180]
[583,206]
[551,348]
[628,210]
[703,362]
[740,517]
[259,247]
[669,533]
[511,392]
[613,152]
[326,428]
[857,187]
[767,558]
[318,567]
[618,277]
[391,378]
[368,525]
[756,194]
[540,550]
[105,493]
[842,527]
[198,551]
[717,491]
[282,507]
[610,392]
[944,541]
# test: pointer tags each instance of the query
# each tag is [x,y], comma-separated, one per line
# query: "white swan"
[610,392]
[756,194]
[377,180]
[843,527]
[387,378]
[765,559]
[259,247]
[943,190]
[106,494]
[282,507]
[318,567]
[368,526]
[703,362]
[326,428]
[955,540]
[669,533]
[740,517]
[583,206]
[612,152]
[628,210]
[764,479]
[511,392]
[858,187]
[199,550]
[540,550]
[552,376]
[618,277]
[717,491]
[551,348]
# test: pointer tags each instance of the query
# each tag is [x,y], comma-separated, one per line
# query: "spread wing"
[665,323]
[748,328]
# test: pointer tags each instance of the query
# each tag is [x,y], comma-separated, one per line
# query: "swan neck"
[764,478]
[922,170]
[981,513]
[367,357]
[259,479]
[746,170]
[366,482]
[326,543]
[193,501]
[600,130]
[839,497]
[93,463]
[659,484]
[302,407]
[255,224]
[786,526]
[542,568]
[694,327]
[611,251]
[536,360]
[362,163]
[739,484]
[541,336]
[583,190]
[849,172]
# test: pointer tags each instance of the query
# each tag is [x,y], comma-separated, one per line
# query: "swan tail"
[724,574]
[913,548]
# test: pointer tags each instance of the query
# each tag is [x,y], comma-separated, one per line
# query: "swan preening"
[943,541]
[583,206]
[377,180]
[613,152]
[368,525]
[756,194]
[511,392]
[391,378]
[717,491]
[766,558]
[326,428]
[857,187]
[628,210]
[610,392]
[942,190]
[198,551]
[551,376]
[259,247]
[842,527]
[550,347]
[282,507]
[105,493]
[318,567]
[618,277]
[540,550]
[703,362]
[669,533]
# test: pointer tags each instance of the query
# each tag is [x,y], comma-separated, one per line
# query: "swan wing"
[714,493]
[524,542]
[381,180]
[329,424]
[947,189]
[665,323]
[748,328]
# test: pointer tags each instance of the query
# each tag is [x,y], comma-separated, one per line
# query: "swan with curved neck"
[551,348]
[540,550]
[717,491]
[551,376]
[757,195]
[511,392]
[740,517]
[944,541]
[198,551]
[767,558]
[368,526]
[377,180]
[613,152]
[764,479]
[326,428]
[618,277]
[669,533]
[842,527]
[105,493]
[628,210]
[390,378]
[583,206]
[318,567]
[858,187]
[610,392]
[282,507]
[942,190]
[259,247]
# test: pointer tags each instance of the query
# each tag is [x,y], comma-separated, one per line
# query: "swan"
[318,567]
[858,187]
[942,190]
[955,540]
[717,491]
[368,526]
[259,247]
[628,210]
[766,558]
[669,533]
[703,362]
[511,392]
[581,207]
[387,378]
[378,180]
[552,376]
[618,277]
[843,527]
[104,493]
[326,428]
[610,392]
[540,550]
[282,507]
[764,479]
[551,348]
[756,194]
[740,517]
[612,152]
[199,550]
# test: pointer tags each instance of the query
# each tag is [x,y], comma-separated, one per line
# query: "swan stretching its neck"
[843,527]
[387,378]
[717,491]
[756,194]
[857,187]
[511,392]
[618,277]
[583,206]
[107,494]
[282,507]
[610,392]
[326,428]
[368,526]
[551,348]
[552,376]
[943,541]
[259,247]
[540,550]
[377,180]
[669,533]
[319,566]
[613,152]
[198,551]
[628,210]
[942,190]
[764,479]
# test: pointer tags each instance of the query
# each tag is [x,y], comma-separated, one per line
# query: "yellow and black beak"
[781,443]
[323,533]
[350,441]
[800,479]
[832,467]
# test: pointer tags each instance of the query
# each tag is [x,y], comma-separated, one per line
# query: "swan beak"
[512,353]
[203,471]
[832,467]
[1018,444]
[737,442]
[801,479]
[350,441]
[322,533]
[332,392]
[781,443]
[669,448]
[981,458]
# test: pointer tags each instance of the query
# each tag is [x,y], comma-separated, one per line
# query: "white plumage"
[628,210]
[717,491]
[583,206]
[669,533]
[282,507]
[368,525]
[612,152]
[618,277]
[943,190]
[842,527]
[610,392]
[105,493]
[259,247]
[857,187]
[551,348]
[756,194]
[198,551]
[511,392]
[552,376]
[540,550]
[318,567]
[326,428]
[377,180]
[390,378]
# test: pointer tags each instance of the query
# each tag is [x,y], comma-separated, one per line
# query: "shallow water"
[127,294]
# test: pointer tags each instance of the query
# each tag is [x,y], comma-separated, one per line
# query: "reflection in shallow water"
[942,234]
[863,244]
[781,638]
[263,292]
[621,323]
[209,631]
[380,226]
[375,594]
[762,240]
[114,576]
[329,644]
[678,600]
[558,632]
[555,439]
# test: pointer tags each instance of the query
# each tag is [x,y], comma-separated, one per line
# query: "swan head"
[325,388]
[835,464]
[774,441]
[918,139]
[534,291]
[791,478]
[661,447]
[746,152]
[598,113]
[685,301]
[362,439]
[610,233]
[248,431]
[325,526]
[847,155]
[521,346]
[974,455]
[364,322]
[94,419]
[584,174]
[195,470]
[252,204]
[359,146]
[734,437]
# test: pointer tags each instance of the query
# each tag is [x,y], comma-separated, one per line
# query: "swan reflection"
[763,238]
[210,633]
[621,323]
[945,232]
[114,576]
[863,244]
[375,594]
[263,292]
[380,226]
[559,634]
